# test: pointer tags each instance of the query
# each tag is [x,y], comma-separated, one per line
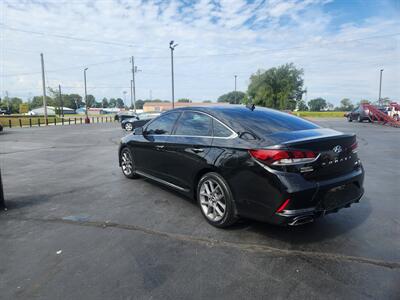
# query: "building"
[164,106]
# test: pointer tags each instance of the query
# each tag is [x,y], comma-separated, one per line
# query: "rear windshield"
[263,121]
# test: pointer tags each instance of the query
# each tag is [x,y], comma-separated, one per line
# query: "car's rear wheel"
[128,164]
[215,200]
[349,118]
[128,126]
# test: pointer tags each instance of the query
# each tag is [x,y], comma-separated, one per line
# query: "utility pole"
[380,88]
[235,88]
[87,120]
[134,70]
[172,47]
[44,89]
[61,101]
[132,106]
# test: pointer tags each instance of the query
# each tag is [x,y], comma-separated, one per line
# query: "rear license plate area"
[340,196]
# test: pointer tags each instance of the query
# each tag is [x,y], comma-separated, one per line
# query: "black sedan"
[138,121]
[256,163]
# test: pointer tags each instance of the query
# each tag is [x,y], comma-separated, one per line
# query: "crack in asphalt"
[250,247]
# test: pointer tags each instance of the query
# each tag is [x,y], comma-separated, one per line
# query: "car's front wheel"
[216,200]
[128,164]
[128,126]
[349,118]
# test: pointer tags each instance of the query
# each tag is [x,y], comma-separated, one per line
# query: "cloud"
[217,39]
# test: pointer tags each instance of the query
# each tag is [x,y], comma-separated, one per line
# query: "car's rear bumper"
[308,199]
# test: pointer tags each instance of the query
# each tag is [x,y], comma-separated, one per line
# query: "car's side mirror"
[139,131]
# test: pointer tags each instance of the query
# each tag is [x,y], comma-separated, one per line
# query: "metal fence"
[37,121]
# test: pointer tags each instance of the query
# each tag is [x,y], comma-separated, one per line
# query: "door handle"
[159,147]
[197,150]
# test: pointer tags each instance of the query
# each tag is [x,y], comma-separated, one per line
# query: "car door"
[149,149]
[187,147]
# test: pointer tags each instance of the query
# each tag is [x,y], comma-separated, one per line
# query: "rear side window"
[263,121]
[220,130]
[194,124]
[163,124]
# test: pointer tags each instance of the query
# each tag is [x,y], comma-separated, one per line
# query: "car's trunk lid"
[335,151]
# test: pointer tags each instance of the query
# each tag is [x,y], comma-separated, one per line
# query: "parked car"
[256,163]
[359,114]
[124,115]
[138,121]
[1,127]
[5,112]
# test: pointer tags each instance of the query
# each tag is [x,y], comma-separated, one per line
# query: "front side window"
[194,124]
[163,124]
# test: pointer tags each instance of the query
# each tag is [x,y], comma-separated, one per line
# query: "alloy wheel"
[128,126]
[212,200]
[126,163]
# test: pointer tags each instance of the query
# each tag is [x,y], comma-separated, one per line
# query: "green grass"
[319,114]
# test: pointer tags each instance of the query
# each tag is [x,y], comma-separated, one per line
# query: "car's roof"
[243,119]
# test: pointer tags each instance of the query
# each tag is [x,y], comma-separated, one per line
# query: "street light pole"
[172,47]
[61,101]
[86,104]
[235,87]
[44,89]
[380,88]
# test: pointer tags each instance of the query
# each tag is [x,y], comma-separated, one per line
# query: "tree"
[37,101]
[317,104]
[184,100]
[91,100]
[120,103]
[139,104]
[363,101]
[232,97]
[346,105]
[207,101]
[112,103]
[302,106]
[278,88]
[104,103]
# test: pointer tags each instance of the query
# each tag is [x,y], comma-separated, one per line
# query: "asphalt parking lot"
[77,229]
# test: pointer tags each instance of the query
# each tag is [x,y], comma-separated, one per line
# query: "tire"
[128,164]
[213,193]
[359,119]
[128,126]
[396,118]
[349,118]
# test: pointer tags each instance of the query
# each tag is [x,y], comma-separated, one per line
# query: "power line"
[68,68]
[68,37]
[212,55]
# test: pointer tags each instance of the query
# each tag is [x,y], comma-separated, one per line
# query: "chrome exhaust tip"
[301,221]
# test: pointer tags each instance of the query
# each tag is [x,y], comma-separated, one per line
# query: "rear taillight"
[354,147]
[283,206]
[283,157]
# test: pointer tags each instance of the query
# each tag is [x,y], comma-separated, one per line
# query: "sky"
[341,45]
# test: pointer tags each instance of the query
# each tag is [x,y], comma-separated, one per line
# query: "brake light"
[283,157]
[283,206]
[354,147]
